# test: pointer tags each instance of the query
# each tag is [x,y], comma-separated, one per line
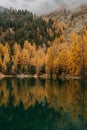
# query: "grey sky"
[41,6]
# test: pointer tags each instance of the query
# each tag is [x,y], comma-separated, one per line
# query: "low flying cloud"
[42,6]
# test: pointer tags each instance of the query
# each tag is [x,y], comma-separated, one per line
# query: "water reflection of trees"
[63,97]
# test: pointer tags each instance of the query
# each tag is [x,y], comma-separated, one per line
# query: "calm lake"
[29,104]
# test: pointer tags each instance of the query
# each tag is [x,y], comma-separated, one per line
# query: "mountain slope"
[74,19]
[21,25]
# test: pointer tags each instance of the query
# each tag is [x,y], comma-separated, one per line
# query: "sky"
[41,6]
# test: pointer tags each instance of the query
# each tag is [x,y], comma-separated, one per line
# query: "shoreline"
[22,76]
[44,76]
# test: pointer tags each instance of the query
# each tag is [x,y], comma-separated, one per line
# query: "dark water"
[29,104]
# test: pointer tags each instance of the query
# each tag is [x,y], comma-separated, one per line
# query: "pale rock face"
[75,19]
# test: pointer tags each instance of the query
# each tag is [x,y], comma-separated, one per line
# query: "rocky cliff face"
[74,19]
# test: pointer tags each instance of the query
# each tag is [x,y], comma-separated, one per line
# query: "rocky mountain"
[74,19]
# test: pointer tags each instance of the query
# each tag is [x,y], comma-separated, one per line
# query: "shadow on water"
[30,104]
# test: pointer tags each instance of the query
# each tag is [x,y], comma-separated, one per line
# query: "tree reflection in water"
[43,105]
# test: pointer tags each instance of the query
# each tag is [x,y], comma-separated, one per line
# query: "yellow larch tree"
[24,60]
[74,55]
[38,60]
[83,43]
[16,58]
[6,56]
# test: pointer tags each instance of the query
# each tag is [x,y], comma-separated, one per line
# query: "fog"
[42,6]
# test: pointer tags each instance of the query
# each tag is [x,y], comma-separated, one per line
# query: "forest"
[32,45]
[21,25]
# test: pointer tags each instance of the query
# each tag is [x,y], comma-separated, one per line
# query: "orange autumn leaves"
[68,58]
[60,58]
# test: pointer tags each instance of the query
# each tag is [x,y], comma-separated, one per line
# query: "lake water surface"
[29,104]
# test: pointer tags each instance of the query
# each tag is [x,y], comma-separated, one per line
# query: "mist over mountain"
[42,6]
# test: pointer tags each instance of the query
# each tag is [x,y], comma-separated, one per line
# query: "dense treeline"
[60,58]
[32,45]
[68,57]
[19,25]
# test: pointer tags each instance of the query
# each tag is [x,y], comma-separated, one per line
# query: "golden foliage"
[59,58]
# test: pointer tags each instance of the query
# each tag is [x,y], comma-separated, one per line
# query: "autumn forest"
[33,45]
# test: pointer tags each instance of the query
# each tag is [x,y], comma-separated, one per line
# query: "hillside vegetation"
[20,25]
[54,44]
